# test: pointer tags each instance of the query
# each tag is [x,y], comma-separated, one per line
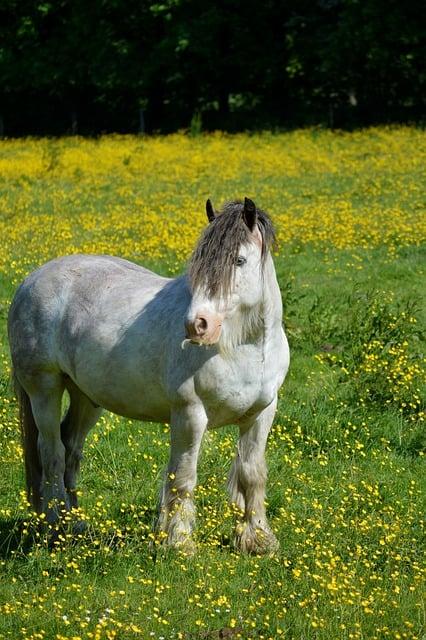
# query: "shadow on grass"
[15,536]
[20,535]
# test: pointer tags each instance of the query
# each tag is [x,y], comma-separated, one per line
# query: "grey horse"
[199,351]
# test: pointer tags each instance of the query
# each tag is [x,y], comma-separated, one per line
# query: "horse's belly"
[126,401]
[122,389]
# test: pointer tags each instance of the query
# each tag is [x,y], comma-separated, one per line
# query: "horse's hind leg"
[45,397]
[81,416]
[247,482]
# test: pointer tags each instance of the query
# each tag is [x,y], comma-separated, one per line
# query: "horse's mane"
[213,262]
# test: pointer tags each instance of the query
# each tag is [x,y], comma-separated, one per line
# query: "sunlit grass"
[346,453]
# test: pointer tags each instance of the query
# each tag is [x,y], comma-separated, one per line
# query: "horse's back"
[68,291]
[60,272]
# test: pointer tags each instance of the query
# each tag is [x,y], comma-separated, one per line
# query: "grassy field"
[346,454]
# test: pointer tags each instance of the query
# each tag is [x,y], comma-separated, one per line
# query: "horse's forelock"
[213,261]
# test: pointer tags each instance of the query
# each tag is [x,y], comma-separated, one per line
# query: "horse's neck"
[272,312]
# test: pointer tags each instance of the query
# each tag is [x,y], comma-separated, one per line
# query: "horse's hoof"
[55,537]
[188,546]
[255,540]
[79,528]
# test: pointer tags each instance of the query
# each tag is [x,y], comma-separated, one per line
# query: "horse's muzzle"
[204,329]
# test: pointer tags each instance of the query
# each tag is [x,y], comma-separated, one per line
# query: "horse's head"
[226,271]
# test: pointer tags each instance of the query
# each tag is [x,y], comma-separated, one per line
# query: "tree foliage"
[70,65]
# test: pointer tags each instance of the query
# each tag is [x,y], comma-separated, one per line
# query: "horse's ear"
[210,210]
[249,213]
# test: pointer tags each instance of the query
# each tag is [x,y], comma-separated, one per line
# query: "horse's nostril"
[200,325]
[196,328]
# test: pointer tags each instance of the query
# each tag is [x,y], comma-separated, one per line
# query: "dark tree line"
[114,65]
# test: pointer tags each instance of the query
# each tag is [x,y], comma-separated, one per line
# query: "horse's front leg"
[176,510]
[247,482]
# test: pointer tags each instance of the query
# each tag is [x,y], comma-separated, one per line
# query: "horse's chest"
[232,390]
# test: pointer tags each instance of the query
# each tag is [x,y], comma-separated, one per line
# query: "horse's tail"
[29,434]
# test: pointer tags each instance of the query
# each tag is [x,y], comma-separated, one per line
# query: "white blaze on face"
[207,315]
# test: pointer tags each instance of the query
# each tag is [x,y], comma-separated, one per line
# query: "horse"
[199,351]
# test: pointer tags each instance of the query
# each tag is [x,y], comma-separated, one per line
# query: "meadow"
[346,454]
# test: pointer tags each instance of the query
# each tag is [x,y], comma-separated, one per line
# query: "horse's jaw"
[244,326]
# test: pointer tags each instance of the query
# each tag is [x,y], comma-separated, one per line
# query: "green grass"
[345,492]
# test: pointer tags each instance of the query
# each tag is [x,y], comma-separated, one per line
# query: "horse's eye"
[240,261]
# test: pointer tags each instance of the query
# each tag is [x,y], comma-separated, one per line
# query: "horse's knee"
[251,471]
[53,495]
[73,459]
[235,487]
[52,456]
